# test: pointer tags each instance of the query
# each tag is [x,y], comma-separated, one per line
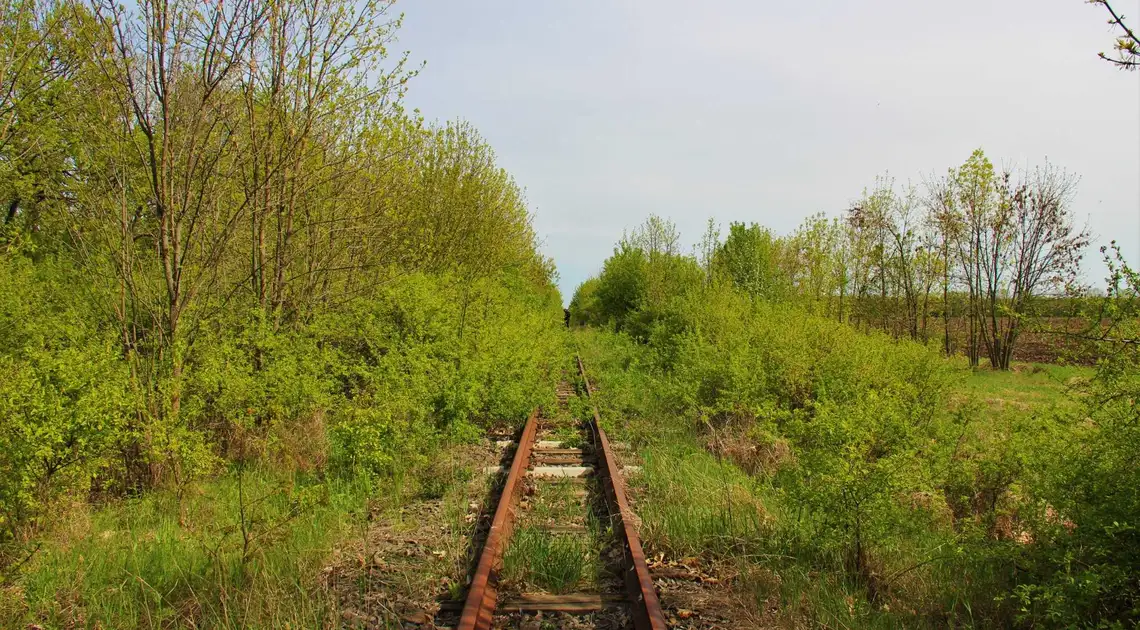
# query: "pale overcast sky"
[609,110]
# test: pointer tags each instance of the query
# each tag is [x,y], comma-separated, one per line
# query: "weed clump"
[552,562]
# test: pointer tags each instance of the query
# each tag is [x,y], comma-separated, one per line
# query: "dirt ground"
[414,558]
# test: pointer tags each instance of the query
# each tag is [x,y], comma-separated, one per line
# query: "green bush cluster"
[64,399]
[365,387]
[871,462]
[286,268]
[1085,479]
[415,364]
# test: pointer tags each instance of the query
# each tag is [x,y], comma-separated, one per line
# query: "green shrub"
[431,358]
[1085,482]
[63,393]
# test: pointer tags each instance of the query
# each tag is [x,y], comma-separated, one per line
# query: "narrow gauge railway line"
[538,461]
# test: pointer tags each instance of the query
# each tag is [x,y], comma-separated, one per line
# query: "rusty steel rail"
[482,597]
[641,596]
[645,608]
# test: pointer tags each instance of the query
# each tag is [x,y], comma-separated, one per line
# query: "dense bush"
[1086,482]
[418,363]
[64,399]
[366,386]
[281,268]
[874,464]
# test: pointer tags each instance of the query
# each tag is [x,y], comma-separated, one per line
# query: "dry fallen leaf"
[419,617]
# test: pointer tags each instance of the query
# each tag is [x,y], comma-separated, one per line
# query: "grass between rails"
[551,561]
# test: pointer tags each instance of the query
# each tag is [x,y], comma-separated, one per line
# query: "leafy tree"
[622,285]
[751,258]
[1015,238]
[705,250]
[585,307]
[657,236]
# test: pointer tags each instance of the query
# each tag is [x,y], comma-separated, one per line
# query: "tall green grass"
[242,551]
[554,562]
[694,504]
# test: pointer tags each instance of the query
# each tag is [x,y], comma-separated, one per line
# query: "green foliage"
[429,358]
[622,286]
[64,392]
[253,386]
[585,306]
[1088,482]
[638,283]
[750,257]
[880,463]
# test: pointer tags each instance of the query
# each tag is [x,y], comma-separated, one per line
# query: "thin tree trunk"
[946,301]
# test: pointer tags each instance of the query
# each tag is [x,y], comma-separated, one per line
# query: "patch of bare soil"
[1057,339]
[700,595]
[410,559]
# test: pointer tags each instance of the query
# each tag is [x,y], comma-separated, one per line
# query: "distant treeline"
[996,250]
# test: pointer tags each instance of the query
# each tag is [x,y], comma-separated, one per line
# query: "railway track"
[589,461]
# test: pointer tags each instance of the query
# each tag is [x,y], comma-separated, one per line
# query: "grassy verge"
[1026,388]
[691,503]
[697,508]
[239,551]
[254,548]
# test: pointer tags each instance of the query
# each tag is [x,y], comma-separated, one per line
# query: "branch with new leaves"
[1127,42]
